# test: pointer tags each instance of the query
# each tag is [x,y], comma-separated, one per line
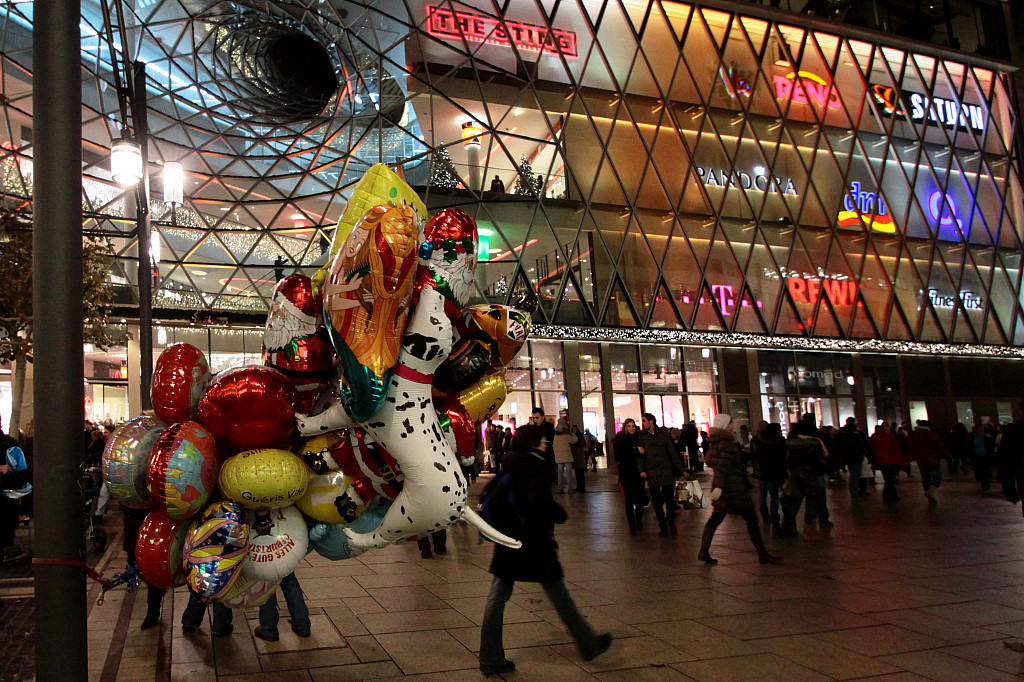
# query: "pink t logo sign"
[723,292]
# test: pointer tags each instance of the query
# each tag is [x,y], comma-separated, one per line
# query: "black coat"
[537,560]
[769,459]
[659,459]
[627,457]
[730,465]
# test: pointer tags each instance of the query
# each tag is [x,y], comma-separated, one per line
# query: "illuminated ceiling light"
[174,183]
[126,162]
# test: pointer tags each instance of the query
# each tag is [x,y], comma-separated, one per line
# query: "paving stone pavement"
[894,594]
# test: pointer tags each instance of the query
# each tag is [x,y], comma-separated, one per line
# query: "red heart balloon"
[249,407]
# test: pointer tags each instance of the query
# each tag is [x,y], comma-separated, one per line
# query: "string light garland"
[762,342]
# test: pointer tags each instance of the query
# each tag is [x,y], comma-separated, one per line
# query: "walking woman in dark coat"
[725,457]
[537,560]
[628,459]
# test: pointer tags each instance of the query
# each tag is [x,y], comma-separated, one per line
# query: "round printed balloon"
[178,380]
[330,541]
[263,479]
[249,407]
[214,550]
[295,342]
[158,551]
[278,540]
[449,253]
[246,593]
[126,460]
[183,470]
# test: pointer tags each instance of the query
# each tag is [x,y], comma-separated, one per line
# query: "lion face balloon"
[507,326]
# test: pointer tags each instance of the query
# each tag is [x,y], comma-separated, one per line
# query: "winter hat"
[722,421]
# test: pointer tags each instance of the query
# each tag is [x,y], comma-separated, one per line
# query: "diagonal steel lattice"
[650,132]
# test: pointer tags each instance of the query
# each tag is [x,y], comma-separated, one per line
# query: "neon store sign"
[811,289]
[937,111]
[807,88]
[725,298]
[867,207]
[448,24]
[944,213]
[757,179]
[968,298]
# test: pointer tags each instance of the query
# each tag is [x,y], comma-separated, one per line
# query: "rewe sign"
[806,87]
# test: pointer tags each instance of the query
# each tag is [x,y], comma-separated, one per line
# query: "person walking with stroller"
[730,466]
[533,518]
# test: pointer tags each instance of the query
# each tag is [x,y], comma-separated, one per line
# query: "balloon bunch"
[375,374]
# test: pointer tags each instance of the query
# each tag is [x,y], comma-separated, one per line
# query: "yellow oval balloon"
[483,398]
[334,498]
[263,479]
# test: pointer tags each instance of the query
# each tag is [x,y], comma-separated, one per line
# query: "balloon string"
[74,563]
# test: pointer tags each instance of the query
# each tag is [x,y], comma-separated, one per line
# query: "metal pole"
[141,125]
[58,534]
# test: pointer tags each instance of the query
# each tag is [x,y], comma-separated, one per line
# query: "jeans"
[823,514]
[192,617]
[664,505]
[768,499]
[492,650]
[296,609]
[930,476]
[564,476]
[855,474]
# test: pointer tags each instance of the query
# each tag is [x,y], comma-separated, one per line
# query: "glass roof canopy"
[272,108]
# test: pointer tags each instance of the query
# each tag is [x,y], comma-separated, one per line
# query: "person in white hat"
[725,457]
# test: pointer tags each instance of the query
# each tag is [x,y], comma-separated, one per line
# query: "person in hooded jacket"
[536,561]
[730,466]
[807,461]
[632,485]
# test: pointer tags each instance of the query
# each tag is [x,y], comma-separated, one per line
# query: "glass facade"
[656,166]
[665,165]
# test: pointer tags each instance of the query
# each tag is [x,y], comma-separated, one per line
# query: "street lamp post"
[129,166]
[145,275]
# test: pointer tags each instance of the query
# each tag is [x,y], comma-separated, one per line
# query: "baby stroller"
[91,483]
